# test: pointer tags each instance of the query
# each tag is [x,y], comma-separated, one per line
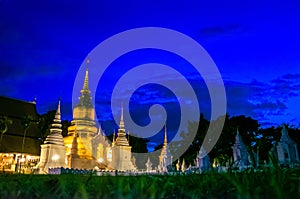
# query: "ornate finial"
[86,80]
[34,100]
[57,114]
[122,117]
[122,112]
[166,139]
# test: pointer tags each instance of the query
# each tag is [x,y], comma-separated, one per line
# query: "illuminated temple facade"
[121,150]
[53,151]
[165,158]
[87,147]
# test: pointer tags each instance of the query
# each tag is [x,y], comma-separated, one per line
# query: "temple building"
[287,152]
[240,153]
[202,161]
[20,136]
[121,150]
[165,156]
[86,147]
[53,151]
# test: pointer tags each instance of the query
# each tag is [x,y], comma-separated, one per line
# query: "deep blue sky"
[255,44]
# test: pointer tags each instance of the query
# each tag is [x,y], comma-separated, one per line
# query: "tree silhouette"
[222,151]
[27,120]
[45,124]
[4,123]
[201,128]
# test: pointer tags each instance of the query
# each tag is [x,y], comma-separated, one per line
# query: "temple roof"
[16,110]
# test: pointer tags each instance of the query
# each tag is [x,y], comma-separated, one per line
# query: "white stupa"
[165,156]
[202,161]
[53,151]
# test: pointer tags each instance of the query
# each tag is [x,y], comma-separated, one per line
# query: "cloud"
[264,101]
[221,30]
[291,77]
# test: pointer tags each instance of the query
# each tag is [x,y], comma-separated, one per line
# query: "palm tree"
[27,120]
[4,122]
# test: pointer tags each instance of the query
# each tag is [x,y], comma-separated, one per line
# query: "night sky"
[255,44]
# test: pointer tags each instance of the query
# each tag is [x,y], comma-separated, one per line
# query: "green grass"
[266,184]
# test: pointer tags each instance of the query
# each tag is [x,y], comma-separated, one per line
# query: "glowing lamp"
[55,157]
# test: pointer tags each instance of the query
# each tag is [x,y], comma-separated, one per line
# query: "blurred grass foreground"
[270,183]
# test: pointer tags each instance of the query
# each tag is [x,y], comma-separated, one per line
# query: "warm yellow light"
[55,157]
[109,154]
[22,159]
[100,160]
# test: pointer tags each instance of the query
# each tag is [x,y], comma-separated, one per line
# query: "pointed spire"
[183,166]
[114,138]
[122,126]
[178,165]
[165,139]
[57,117]
[86,80]
[285,135]
[34,100]
[121,140]
[55,136]
[85,98]
[238,138]
[57,114]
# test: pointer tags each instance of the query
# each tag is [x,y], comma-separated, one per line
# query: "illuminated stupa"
[91,145]
[121,150]
[287,151]
[53,151]
[240,153]
[165,156]
[202,161]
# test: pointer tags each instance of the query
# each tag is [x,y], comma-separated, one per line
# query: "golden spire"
[122,118]
[114,138]
[165,140]
[121,139]
[85,98]
[86,80]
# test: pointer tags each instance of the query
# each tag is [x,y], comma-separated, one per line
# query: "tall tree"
[267,138]
[222,151]
[200,127]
